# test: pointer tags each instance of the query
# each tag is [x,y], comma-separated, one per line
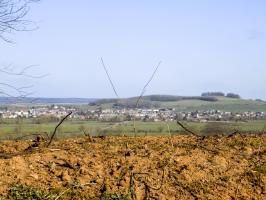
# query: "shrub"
[232,95]
[212,94]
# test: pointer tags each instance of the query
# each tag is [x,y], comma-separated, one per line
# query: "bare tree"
[13,19]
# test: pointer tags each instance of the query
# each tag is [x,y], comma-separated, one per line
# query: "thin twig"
[147,84]
[18,92]
[109,78]
[186,129]
[23,72]
[62,120]
[143,92]
[112,85]
[170,135]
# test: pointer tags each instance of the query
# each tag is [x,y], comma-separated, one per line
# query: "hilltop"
[185,103]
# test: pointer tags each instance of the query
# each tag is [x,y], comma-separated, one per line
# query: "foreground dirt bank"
[181,167]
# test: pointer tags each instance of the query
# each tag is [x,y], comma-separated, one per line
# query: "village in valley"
[127,114]
[132,100]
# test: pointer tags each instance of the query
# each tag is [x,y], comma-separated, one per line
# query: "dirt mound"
[180,167]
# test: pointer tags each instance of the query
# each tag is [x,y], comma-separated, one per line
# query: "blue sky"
[203,45]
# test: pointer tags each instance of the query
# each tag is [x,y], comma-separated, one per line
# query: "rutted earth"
[178,167]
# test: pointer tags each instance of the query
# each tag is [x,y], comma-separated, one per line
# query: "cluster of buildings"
[217,115]
[169,114]
[54,111]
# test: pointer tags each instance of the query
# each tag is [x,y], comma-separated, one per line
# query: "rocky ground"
[177,167]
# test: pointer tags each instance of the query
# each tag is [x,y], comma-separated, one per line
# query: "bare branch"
[186,129]
[147,84]
[62,120]
[12,17]
[143,92]
[8,70]
[109,78]
[18,92]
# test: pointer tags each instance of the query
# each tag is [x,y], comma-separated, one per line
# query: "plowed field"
[178,167]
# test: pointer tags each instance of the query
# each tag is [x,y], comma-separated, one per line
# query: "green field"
[223,103]
[15,129]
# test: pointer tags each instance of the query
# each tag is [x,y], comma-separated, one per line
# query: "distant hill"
[223,104]
[184,103]
[180,103]
[148,101]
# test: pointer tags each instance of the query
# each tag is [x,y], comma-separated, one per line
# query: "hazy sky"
[203,45]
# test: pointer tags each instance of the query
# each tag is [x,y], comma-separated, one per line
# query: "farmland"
[108,160]
[90,160]
[139,100]
[151,167]
[101,159]
[13,128]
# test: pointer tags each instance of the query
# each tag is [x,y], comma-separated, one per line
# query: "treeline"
[132,104]
[103,101]
[180,98]
[154,100]
[221,94]
[127,103]
[149,101]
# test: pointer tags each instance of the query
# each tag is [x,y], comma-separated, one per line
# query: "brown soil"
[183,167]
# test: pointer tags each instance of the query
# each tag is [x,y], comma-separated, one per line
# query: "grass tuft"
[21,192]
